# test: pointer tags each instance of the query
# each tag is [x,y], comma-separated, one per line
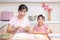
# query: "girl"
[19,23]
[41,27]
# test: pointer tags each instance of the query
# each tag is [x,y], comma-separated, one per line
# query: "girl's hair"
[22,6]
[41,16]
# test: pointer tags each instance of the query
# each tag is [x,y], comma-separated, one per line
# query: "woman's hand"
[26,29]
[10,29]
[18,28]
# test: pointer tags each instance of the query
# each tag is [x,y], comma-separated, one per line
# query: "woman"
[19,23]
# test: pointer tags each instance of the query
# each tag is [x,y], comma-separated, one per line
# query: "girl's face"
[22,12]
[40,21]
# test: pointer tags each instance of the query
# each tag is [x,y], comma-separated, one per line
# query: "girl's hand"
[49,31]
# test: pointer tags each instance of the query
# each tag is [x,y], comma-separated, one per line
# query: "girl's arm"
[36,32]
[49,30]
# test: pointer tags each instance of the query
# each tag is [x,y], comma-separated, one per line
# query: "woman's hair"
[22,6]
[41,16]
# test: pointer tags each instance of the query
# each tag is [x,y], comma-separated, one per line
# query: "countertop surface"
[28,36]
[34,36]
[31,35]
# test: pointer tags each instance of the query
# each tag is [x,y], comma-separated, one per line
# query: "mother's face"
[22,12]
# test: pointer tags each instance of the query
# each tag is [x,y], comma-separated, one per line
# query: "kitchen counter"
[26,36]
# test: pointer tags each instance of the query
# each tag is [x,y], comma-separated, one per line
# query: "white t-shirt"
[15,22]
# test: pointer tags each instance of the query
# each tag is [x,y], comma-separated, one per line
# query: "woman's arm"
[10,29]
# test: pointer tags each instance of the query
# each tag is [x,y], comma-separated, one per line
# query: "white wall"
[34,9]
